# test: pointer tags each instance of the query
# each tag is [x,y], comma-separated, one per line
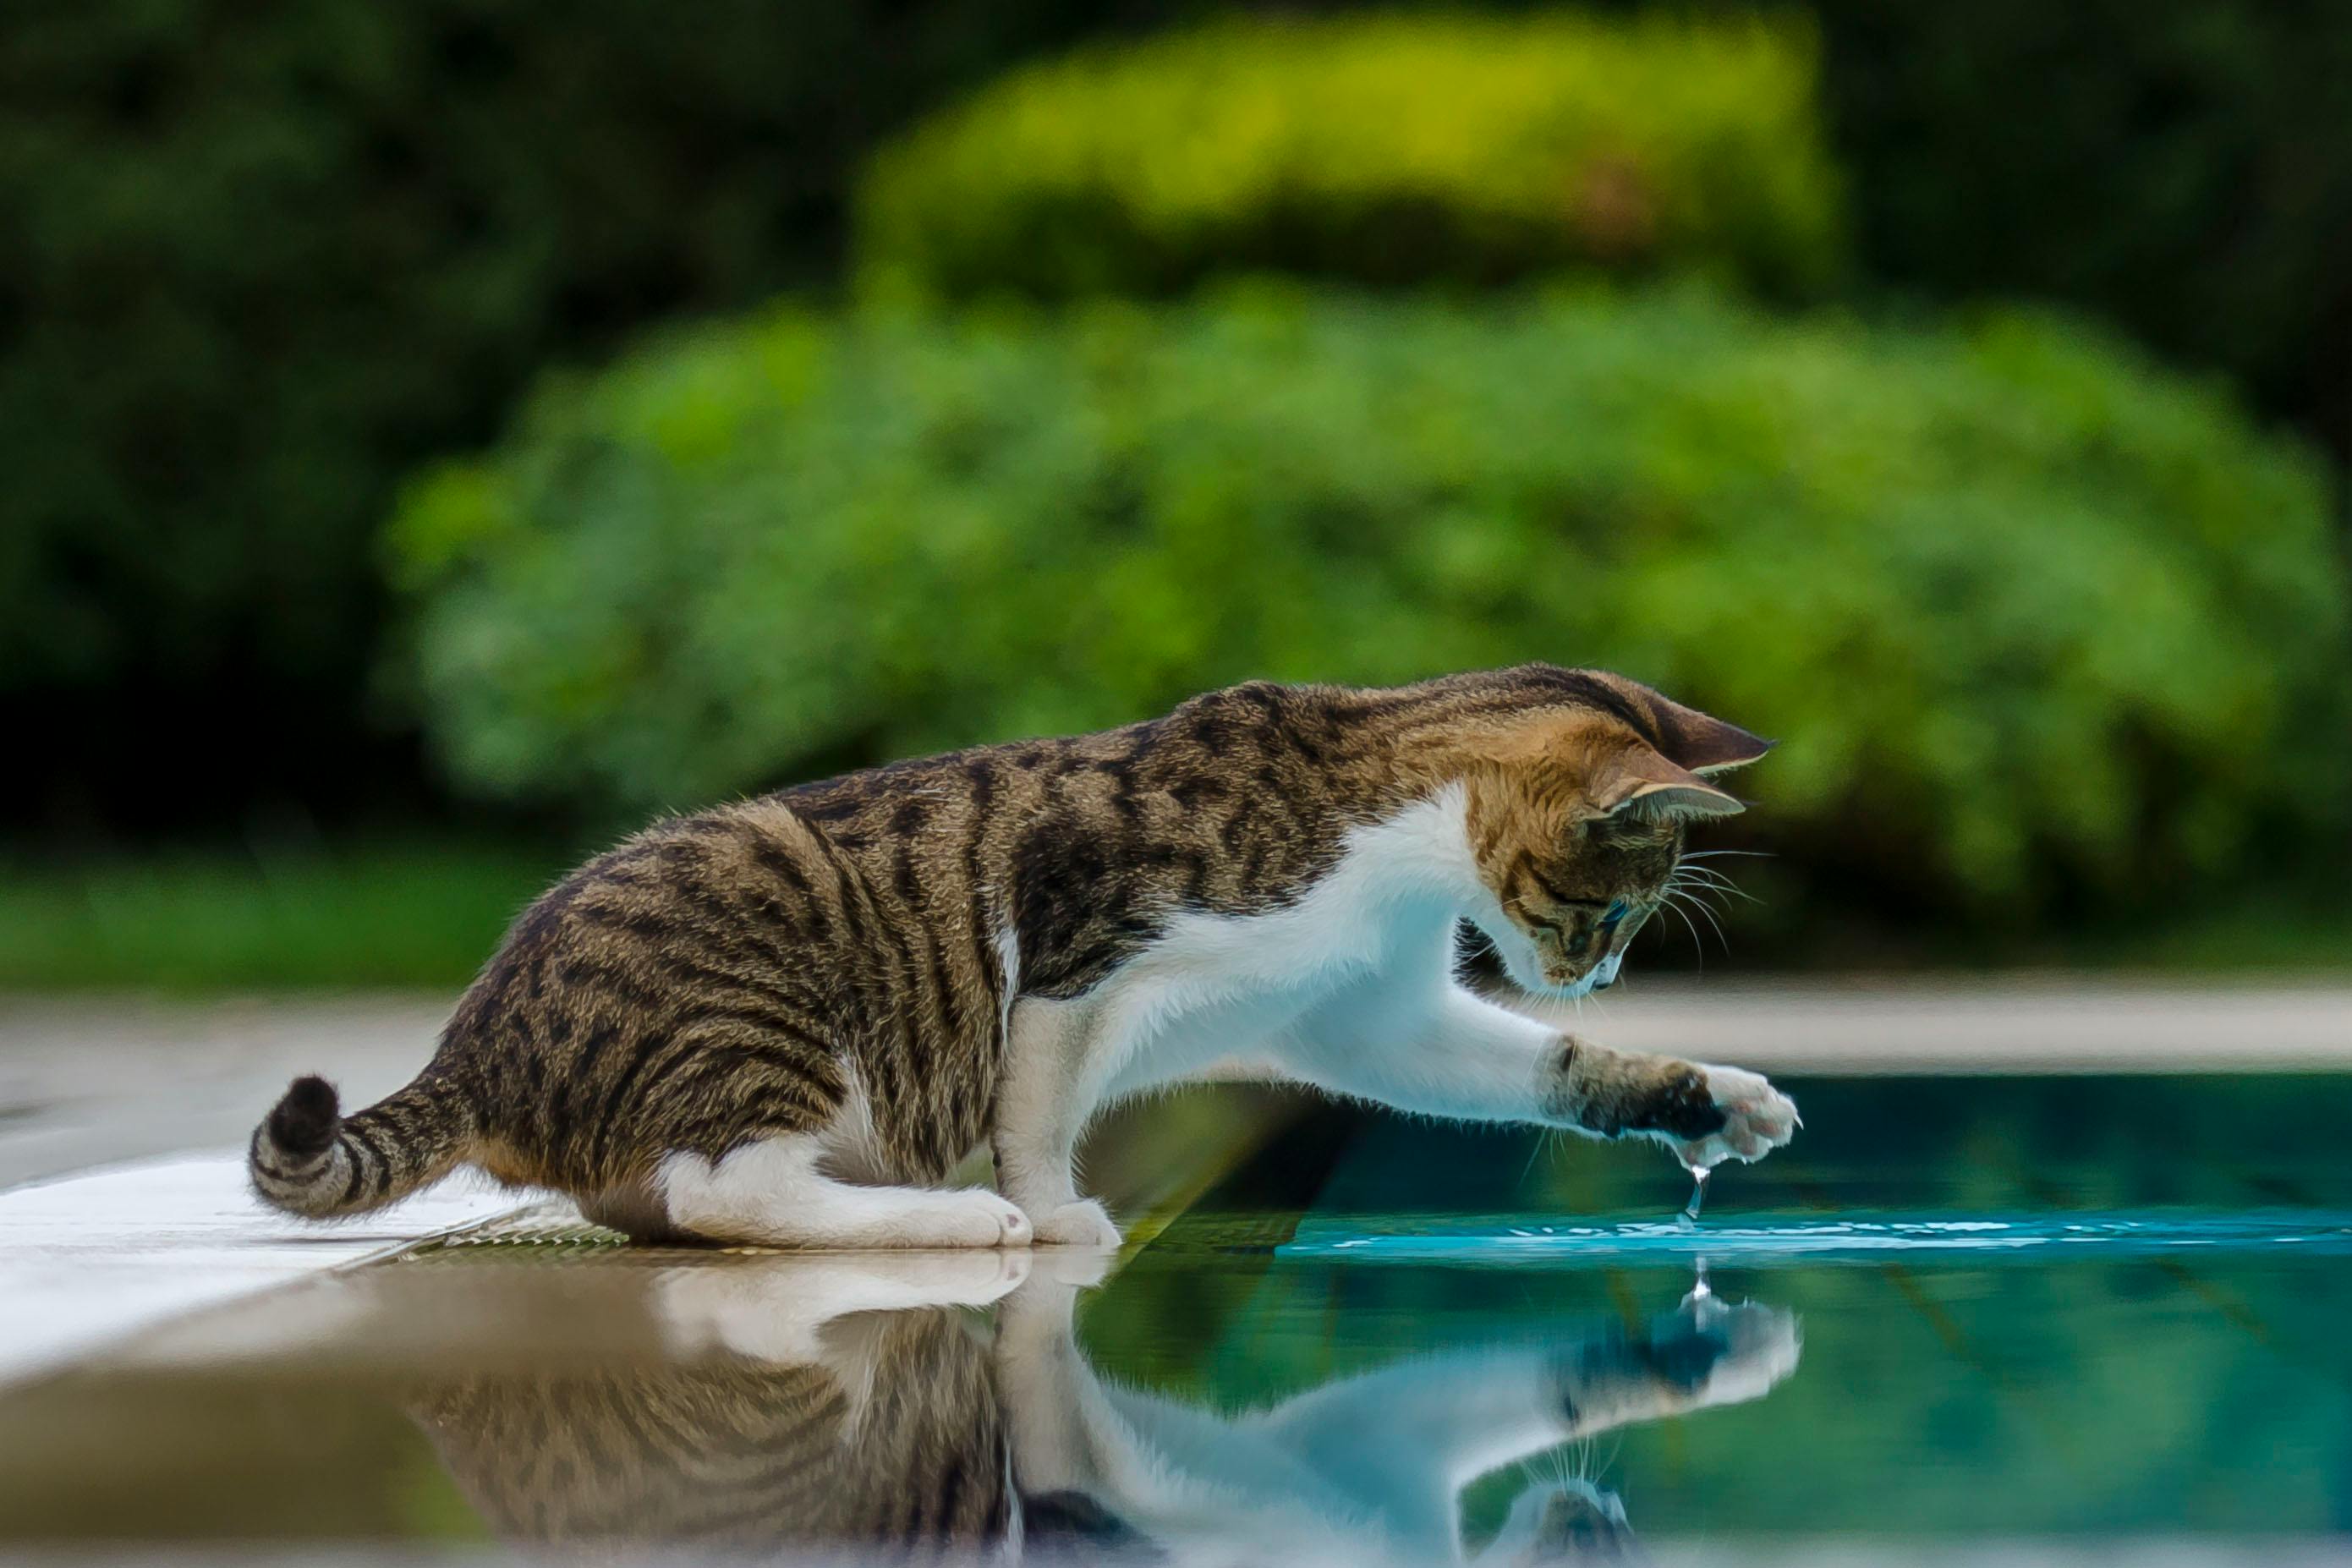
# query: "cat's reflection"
[859,1403]
[830,1401]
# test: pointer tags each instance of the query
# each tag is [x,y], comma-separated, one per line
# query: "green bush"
[256,260]
[2034,619]
[1384,149]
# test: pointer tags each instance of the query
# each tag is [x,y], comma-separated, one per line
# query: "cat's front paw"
[1085,1224]
[1756,1118]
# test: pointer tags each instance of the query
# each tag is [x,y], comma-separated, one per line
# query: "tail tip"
[304,1121]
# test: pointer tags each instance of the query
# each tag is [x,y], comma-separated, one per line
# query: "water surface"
[1954,1312]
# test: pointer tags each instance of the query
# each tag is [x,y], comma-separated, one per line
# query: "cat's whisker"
[1544,1137]
[1707,876]
[1718,924]
[1692,894]
[1699,947]
[1684,901]
[1705,896]
[1725,891]
[1694,889]
[1709,905]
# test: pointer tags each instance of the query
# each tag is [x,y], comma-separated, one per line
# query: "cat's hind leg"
[772,1193]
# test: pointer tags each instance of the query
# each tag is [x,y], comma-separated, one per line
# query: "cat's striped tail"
[307,1159]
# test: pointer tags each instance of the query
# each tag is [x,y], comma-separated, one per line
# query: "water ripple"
[1505,1239]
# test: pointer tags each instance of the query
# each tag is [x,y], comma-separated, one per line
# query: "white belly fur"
[1377,931]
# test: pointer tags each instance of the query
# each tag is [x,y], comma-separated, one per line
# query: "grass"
[385,916]
[425,913]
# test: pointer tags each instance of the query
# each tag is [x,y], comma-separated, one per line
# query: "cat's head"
[1577,816]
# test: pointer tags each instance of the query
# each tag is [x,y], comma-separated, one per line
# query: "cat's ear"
[1638,782]
[1701,742]
[1688,737]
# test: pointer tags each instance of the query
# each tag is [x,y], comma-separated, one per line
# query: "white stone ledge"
[88,1260]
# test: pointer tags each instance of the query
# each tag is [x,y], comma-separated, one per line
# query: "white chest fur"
[1216,988]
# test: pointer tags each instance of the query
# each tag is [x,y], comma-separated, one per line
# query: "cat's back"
[1076,845]
[1077,852]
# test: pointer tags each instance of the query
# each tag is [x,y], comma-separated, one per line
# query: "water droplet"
[1698,1174]
[1701,1298]
[1698,1196]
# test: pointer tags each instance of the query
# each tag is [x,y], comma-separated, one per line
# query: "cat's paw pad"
[1085,1224]
[1756,1118]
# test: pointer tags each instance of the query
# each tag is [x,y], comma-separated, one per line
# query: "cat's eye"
[1615,913]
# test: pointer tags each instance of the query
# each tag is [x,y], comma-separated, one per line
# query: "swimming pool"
[2077,1305]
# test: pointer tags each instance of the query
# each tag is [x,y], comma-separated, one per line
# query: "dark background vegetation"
[260,266]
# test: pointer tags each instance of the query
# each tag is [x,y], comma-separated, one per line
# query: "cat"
[787,1020]
[863,1406]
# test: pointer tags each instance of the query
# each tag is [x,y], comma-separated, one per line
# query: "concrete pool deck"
[90,1259]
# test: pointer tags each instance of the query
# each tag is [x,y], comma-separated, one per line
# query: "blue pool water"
[2077,1308]
[1509,1239]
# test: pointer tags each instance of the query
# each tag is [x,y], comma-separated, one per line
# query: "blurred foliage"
[383,914]
[2171,168]
[2042,625]
[2178,167]
[255,260]
[1392,149]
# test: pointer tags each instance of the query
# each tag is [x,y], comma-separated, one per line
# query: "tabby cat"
[787,1020]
